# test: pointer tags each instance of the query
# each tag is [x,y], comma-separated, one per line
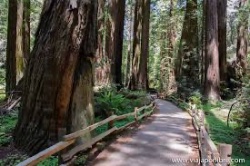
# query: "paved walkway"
[169,136]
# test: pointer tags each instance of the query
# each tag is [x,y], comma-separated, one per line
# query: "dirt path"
[169,136]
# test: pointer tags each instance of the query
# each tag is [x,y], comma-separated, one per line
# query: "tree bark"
[222,32]
[188,56]
[143,67]
[59,77]
[212,82]
[129,56]
[117,14]
[14,60]
[26,30]
[171,37]
[133,84]
[100,55]
[242,38]
[139,77]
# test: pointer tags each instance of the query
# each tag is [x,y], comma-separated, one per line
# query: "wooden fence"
[66,155]
[209,153]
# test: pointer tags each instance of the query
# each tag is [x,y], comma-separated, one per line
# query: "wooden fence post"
[111,123]
[202,118]
[136,119]
[61,133]
[207,128]
[225,151]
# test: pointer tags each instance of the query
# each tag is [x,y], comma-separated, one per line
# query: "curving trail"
[167,137]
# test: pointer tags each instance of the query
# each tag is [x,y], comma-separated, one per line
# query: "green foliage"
[112,102]
[51,161]
[12,160]
[196,98]
[109,101]
[220,133]
[7,124]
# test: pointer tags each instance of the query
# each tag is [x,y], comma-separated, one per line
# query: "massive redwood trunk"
[242,40]
[188,57]
[100,65]
[129,56]
[222,32]
[212,81]
[26,30]
[117,13]
[59,76]
[143,67]
[14,60]
[136,45]
[139,78]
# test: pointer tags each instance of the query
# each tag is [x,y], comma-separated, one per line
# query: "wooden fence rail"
[70,139]
[209,153]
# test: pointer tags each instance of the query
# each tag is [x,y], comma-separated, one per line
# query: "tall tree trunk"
[203,55]
[212,82]
[171,36]
[222,32]
[59,77]
[99,63]
[15,59]
[117,14]
[143,74]
[133,84]
[129,56]
[242,43]
[26,30]
[139,77]
[188,56]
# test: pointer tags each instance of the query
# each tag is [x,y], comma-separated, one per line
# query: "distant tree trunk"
[26,30]
[139,78]
[99,63]
[171,81]
[143,74]
[222,32]
[188,56]
[129,56]
[133,84]
[14,59]
[212,82]
[242,39]
[203,41]
[117,13]
[59,77]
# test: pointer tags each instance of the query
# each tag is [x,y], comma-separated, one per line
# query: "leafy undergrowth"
[108,101]
[7,124]
[216,119]
[221,133]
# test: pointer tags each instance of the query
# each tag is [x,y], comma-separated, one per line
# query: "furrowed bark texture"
[14,60]
[188,57]
[242,40]
[222,32]
[59,76]
[212,82]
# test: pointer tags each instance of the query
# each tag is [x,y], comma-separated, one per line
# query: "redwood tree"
[26,30]
[222,38]
[14,59]
[115,42]
[139,78]
[242,39]
[212,80]
[143,67]
[58,84]
[101,69]
[188,58]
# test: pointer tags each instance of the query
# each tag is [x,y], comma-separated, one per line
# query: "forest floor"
[169,139]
